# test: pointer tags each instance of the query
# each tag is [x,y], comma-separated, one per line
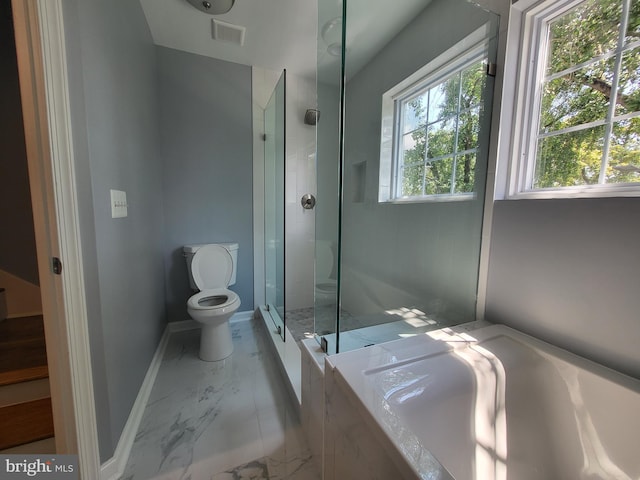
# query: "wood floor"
[23,359]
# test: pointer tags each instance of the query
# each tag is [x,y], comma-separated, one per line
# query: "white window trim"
[514,171]
[470,47]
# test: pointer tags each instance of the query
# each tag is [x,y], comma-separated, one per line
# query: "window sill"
[456,197]
[591,191]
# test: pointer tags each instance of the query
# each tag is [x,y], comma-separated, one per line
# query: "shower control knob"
[308,201]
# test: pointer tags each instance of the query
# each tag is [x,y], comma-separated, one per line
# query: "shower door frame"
[333,346]
[276,312]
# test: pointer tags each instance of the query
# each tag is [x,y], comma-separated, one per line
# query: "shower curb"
[288,357]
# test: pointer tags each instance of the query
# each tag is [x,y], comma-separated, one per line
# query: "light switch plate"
[118,204]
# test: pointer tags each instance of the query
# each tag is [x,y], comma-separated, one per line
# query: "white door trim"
[44,89]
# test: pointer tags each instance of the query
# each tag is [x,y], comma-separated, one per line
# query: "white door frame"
[41,51]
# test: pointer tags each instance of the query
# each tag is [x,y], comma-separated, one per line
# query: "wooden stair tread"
[25,422]
[24,375]
[25,414]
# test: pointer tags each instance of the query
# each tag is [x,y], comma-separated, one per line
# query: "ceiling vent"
[227,32]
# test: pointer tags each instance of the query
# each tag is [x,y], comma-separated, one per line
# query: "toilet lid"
[211,267]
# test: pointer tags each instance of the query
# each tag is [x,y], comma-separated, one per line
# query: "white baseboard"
[113,468]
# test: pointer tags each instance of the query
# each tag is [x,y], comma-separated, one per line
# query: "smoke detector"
[212,7]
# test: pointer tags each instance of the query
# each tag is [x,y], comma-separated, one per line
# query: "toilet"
[212,268]
[326,286]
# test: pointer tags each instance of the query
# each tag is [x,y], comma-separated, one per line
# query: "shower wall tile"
[300,179]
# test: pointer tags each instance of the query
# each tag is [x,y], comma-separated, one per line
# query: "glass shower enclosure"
[274,205]
[328,149]
[406,96]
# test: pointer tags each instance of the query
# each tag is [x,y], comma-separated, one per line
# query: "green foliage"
[442,125]
[441,139]
[580,98]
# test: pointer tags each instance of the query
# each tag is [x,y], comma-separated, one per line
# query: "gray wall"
[568,271]
[422,255]
[113,77]
[17,240]
[206,128]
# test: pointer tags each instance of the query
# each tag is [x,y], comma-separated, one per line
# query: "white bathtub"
[497,404]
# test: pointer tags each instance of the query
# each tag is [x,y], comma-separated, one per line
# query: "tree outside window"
[589,99]
[439,125]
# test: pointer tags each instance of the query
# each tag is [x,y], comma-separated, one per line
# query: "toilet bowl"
[212,270]
[326,289]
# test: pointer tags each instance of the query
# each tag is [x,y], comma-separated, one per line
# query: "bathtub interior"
[499,404]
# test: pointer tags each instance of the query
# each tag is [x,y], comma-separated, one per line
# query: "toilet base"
[215,342]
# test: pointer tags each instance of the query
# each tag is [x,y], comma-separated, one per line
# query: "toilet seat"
[211,267]
[218,300]
[328,287]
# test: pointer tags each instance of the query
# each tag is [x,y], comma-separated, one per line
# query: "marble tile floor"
[223,420]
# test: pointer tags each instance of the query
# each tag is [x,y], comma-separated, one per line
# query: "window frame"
[528,27]
[463,54]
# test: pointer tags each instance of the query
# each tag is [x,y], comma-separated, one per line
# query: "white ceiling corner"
[282,33]
[279,33]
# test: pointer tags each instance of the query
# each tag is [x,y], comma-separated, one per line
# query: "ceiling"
[279,33]
[282,33]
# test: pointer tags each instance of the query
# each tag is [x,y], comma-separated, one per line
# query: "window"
[436,152]
[580,112]
[430,128]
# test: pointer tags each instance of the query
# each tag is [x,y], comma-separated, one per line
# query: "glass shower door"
[274,171]
[328,173]
[402,164]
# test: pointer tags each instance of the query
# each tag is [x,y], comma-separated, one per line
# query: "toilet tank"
[190,250]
